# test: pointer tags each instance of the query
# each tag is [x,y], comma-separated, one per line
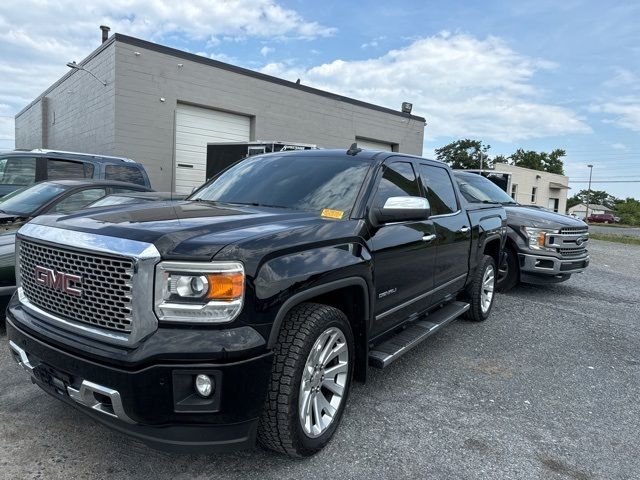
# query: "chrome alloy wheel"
[488,285]
[324,380]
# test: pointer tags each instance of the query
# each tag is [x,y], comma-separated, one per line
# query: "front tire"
[310,380]
[509,271]
[481,291]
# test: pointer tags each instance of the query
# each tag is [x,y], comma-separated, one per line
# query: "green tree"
[500,159]
[465,154]
[628,210]
[543,161]
[597,197]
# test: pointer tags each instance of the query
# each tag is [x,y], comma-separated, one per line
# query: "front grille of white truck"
[105,287]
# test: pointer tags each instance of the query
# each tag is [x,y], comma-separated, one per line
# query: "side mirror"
[402,209]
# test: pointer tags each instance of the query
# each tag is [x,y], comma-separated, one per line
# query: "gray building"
[162,107]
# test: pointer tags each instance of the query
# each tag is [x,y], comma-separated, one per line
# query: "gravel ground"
[631,231]
[548,387]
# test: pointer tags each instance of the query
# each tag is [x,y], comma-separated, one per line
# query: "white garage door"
[373,145]
[195,127]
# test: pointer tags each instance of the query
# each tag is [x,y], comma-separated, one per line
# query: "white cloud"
[618,146]
[623,112]
[38,38]
[264,51]
[464,86]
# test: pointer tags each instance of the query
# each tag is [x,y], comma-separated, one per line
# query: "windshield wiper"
[257,204]
[251,204]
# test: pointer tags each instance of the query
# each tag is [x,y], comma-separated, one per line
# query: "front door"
[403,252]
[453,230]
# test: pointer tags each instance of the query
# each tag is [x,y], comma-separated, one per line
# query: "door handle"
[464,229]
[428,238]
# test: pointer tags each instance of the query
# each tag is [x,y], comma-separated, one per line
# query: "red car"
[601,218]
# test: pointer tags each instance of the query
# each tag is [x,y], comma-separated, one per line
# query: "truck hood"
[520,215]
[186,229]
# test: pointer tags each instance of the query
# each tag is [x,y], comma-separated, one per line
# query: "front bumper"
[548,266]
[148,401]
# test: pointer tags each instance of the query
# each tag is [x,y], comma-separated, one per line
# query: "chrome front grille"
[571,242]
[106,285]
[574,230]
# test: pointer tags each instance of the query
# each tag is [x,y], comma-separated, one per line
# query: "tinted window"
[60,169]
[398,180]
[290,180]
[440,193]
[124,173]
[78,200]
[125,190]
[118,200]
[17,170]
[29,199]
[476,188]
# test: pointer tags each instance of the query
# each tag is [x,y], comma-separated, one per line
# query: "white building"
[531,187]
[580,210]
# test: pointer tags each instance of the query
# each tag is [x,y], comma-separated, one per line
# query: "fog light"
[204,385]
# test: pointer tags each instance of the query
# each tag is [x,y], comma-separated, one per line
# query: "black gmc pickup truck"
[244,312]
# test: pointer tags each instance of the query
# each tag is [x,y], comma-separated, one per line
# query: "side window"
[17,171]
[398,180]
[61,169]
[125,190]
[78,200]
[124,173]
[440,193]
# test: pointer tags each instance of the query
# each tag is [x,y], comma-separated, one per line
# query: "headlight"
[538,237]
[199,292]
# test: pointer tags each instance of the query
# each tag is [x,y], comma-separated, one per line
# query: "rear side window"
[61,169]
[79,200]
[125,190]
[124,173]
[17,171]
[440,193]
[398,180]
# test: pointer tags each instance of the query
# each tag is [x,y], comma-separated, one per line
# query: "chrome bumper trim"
[528,264]
[86,394]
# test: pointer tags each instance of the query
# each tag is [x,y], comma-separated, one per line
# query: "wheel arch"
[349,295]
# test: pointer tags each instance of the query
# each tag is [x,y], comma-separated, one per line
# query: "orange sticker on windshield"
[328,213]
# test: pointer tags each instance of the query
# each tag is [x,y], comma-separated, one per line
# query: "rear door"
[452,228]
[403,254]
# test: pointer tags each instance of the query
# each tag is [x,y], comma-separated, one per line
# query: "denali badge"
[58,280]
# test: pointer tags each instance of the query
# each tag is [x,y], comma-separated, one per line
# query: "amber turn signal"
[225,286]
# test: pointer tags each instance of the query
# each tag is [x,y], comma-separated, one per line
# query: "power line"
[604,181]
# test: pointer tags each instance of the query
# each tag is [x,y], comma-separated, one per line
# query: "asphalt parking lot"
[548,387]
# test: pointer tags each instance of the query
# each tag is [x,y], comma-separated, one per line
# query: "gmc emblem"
[58,280]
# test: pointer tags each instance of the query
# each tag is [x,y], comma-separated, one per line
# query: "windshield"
[476,188]
[293,181]
[26,200]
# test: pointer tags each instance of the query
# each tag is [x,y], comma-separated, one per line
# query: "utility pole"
[480,153]
[588,192]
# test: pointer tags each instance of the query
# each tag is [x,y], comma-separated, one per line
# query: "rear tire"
[310,380]
[481,291]
[509,271]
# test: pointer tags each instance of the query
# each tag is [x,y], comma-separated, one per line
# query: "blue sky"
[536,75]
